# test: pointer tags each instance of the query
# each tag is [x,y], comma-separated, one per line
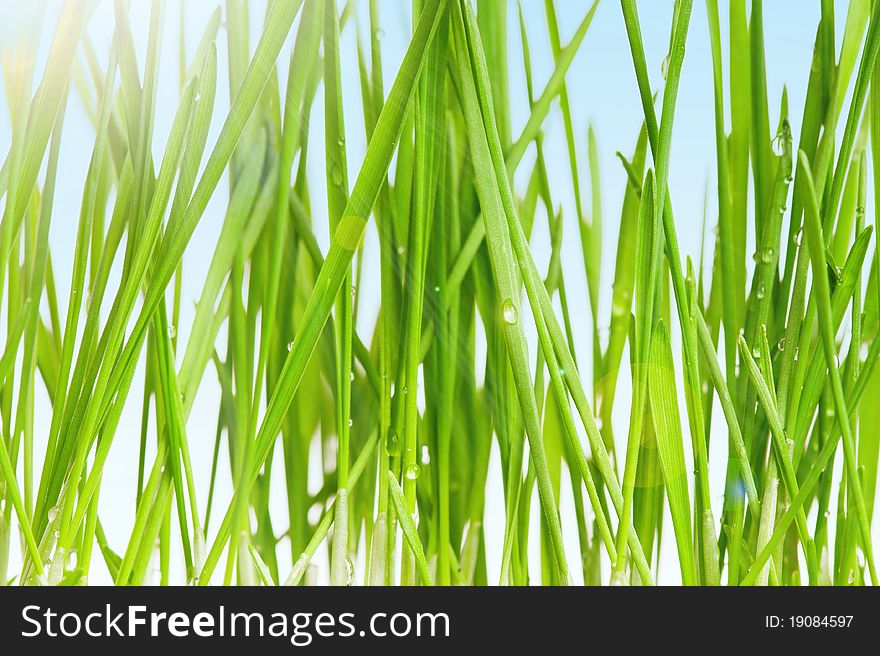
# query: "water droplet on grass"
[412,471]
[349,571]
[779,144]
[509,312]
[336,175]
[392,445]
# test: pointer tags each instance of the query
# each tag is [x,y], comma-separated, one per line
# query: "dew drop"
[508,311]
[380,34]
[781,344]
[664,67]
[761,291]
[172,331]
[767,254]
[336,175]
[351,376]
[392,445]
[289,346]
[350,423]
[426,455]
[789,179]
[53,513]
[412,471]
[401,250]
[779,144]
[349,571]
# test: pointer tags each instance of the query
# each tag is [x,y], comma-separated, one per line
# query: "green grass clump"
[470,361]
